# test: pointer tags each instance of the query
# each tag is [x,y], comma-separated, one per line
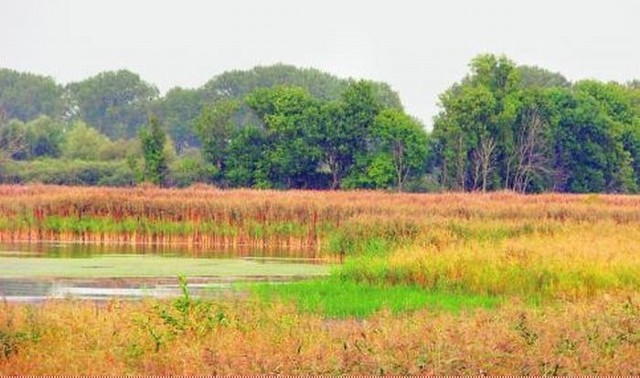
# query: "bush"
[68,172]
[189,169]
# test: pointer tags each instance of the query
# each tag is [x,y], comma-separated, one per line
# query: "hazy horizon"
[420,49]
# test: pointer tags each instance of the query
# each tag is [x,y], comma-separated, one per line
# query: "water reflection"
[81,250]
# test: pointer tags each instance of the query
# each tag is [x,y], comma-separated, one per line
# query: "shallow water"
[36,272]
[37,290]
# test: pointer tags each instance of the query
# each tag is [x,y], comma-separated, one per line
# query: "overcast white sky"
[419,47]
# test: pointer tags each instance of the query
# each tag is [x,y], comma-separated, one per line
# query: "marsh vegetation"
[413,284]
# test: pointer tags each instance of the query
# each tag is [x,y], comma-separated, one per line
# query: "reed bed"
[205,217]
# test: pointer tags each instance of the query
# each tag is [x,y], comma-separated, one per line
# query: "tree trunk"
[398,151]
[334,167]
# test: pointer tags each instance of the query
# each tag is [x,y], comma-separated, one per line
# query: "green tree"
[337,145]
[238,84]
[84,143]
[116,103]
[590,154]
[152,141]
[403,140]
[41,137]
[465,138]
[26,96]
[188,169]
[215,127]
[246,164]
[14,142]
[353,135]
[178,110]
[45,137]
[290,116]
[474,138]
[537,77]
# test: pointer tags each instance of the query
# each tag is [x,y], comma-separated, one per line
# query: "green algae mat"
[153,266]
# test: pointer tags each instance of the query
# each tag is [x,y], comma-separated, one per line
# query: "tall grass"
[334,222]
[549,260]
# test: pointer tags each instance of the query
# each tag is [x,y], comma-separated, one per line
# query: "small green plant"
[8,343]
[184,315]
[13,338]
[523,329]
[156,336]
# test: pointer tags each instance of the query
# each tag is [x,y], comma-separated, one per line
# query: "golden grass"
[546,259]
[597,337]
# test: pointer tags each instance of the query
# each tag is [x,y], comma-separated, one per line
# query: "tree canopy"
[116,103]
[501,126]
[526,129]
[26,96]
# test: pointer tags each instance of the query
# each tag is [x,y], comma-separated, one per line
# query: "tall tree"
[463,134]
[215,126]
[360,109]
[474,138]
[403,141]
[246,165]
[530,162]
[290,116]
[336,143]
[178,109]
[26,96]
[14,142]
[152,140]
[116,103]
[589,141]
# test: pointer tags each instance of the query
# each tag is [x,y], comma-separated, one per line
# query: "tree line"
[503,126]
[530,130]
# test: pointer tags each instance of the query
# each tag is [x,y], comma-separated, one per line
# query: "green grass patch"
[344,298]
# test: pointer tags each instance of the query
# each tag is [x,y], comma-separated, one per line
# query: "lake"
[33,272]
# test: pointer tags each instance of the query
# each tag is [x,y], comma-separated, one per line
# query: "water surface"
[32,272]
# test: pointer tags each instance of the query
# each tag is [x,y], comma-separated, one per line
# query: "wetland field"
[207,281]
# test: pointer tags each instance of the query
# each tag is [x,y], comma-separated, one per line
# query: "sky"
[419,47]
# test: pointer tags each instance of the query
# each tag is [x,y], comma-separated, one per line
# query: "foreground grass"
[341,299]
[597,336]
